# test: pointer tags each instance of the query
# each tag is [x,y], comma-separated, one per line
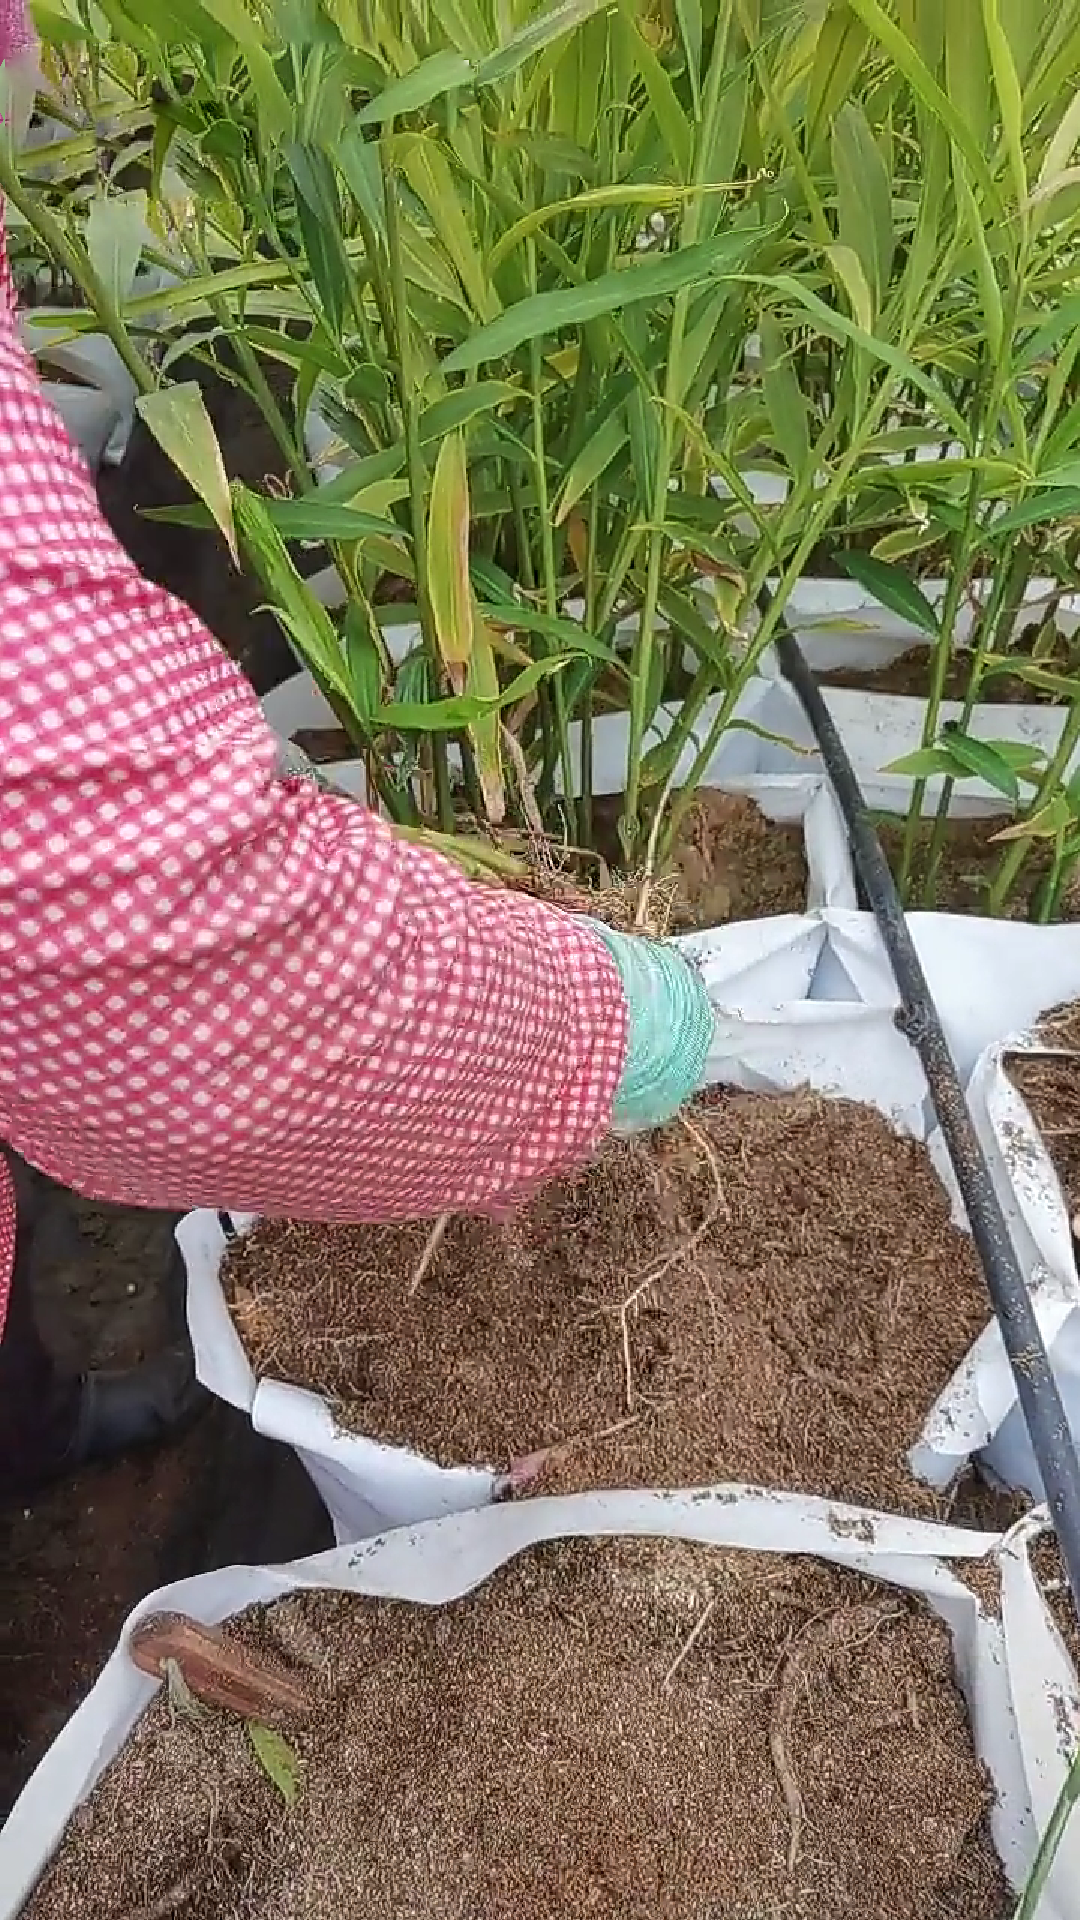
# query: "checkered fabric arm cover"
[220,984]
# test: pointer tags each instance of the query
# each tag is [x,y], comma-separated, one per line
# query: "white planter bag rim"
[1039,1223]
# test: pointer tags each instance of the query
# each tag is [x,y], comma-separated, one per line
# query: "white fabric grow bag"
[843,1049]
[752,970]
[786,782]
[1015,1674]
[838,625]
[988,978]
[98,412]
[1028,1186]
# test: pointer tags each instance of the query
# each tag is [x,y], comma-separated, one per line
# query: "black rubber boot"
[141,1407]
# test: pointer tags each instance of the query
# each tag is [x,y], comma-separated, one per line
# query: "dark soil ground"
[76,1557]
[193,563]
[969,862]
[773,1292]
[621,1729]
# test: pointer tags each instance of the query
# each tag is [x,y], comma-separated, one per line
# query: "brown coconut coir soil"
[909,674]
[772,1292]
[621,1729]
[728,862]
[1050,1086]
[970,858]
[1048,1567]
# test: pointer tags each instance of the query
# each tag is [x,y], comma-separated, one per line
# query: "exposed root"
[628,903]
[819,1634]
[526,790]
[624,1327]
[689,1643]
[684,1251]
[779,1734]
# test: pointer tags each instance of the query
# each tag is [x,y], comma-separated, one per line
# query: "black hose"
[1040,1400]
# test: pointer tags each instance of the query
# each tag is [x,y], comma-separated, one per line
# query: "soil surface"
[984,1578]
[772,1292]
[731,863]
[1050,1085]
[77,1556]
[625,1729]
[969,862]
[909,673]
[734,864]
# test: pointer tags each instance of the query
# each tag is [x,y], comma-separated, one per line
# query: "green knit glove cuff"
[670,1028]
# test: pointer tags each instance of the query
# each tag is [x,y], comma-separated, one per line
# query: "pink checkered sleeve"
[223,988]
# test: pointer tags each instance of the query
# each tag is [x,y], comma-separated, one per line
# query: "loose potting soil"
[770,1292]
[969,862]
[730,862]
[909,674]
[632,1730]
[1050,1085]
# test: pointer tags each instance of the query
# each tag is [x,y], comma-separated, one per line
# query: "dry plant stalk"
[528,1467]
[689,1643]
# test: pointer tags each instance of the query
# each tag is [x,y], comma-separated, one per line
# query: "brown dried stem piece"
[430,1249]
[216,1672]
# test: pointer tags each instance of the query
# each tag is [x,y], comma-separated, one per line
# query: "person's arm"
[220,986]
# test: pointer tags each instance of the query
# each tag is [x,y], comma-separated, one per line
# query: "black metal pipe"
[1040,1400]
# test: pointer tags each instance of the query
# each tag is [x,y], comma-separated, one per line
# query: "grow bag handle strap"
[214,1671]
[918,1019]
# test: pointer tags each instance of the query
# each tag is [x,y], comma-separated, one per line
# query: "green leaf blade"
[179,422]
[449,584]
[641,279]
[439,74]
[279,1761]
[893,588]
